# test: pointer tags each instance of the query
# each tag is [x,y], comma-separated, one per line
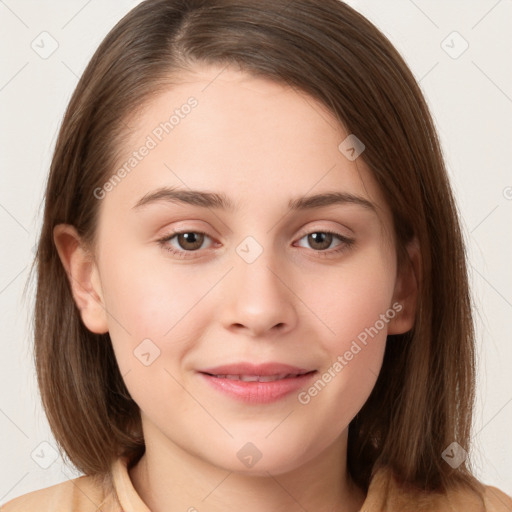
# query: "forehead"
[253,139]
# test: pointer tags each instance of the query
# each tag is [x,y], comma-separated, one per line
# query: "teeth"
[256,378]
[270,378]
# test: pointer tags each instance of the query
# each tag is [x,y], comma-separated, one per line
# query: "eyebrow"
[220,201]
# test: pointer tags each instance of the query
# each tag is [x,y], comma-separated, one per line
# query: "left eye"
[323,239]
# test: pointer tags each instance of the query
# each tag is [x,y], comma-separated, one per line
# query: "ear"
[406,290]
[83,277]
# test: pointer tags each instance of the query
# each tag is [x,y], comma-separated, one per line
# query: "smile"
[262,384]
[258,378]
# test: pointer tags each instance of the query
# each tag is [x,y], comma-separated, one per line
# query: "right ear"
[83,276]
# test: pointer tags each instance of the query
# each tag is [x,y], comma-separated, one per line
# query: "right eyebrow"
[193,197]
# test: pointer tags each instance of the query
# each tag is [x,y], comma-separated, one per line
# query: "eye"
[187,241]
[322,239]
[192,241]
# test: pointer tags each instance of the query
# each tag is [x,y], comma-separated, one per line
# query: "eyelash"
[347,243]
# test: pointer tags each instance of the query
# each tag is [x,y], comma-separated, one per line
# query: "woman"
[254,368]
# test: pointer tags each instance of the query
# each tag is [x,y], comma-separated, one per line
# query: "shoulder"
[492,500]
[496,500]
[84,494]
[386,493]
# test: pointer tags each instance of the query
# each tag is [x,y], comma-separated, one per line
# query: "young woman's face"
[266,285]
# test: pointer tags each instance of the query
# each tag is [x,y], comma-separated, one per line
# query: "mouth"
[257,383]
[259,378]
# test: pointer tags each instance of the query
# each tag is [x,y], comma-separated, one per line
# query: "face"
[296,296]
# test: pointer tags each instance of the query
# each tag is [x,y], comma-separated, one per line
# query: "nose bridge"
[256,267]
[258,299]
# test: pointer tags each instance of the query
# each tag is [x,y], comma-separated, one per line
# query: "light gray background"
[471,100]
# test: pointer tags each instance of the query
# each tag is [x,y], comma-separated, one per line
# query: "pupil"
[192,238]
[320,237]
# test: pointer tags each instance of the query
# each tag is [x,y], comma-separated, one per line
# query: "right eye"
[186,241]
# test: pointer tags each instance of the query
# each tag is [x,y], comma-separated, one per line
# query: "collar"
[384,494]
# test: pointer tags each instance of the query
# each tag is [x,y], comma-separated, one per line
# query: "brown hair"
[424,395]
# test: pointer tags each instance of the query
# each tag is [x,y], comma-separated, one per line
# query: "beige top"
[91,494]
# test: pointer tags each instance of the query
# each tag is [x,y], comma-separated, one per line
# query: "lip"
[255,369]
[289,379]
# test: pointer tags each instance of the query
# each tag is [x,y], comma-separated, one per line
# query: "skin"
[261,144]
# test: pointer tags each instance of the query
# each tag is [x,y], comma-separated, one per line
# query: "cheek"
[152,298]
[147,300]
[356,308]
[353,298]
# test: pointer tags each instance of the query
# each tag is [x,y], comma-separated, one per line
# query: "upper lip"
[256,369]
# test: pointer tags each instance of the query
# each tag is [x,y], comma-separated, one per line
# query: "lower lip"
[258,392]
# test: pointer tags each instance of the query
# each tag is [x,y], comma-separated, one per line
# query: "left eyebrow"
[329,199]
[220,201]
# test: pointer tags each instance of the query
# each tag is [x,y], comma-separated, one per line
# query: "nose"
[258,298]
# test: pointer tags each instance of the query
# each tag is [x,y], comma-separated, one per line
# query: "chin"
[259,458]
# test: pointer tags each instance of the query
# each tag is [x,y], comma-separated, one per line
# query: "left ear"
[406,290]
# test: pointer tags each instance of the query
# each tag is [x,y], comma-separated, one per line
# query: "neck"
[173,480]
